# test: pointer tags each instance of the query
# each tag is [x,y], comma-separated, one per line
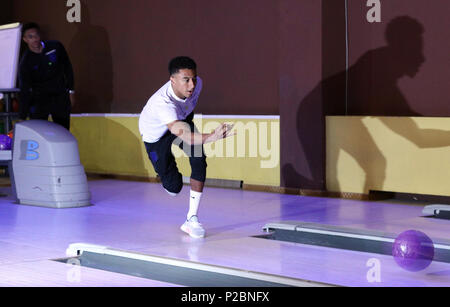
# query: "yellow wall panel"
[111,144]
[396,154]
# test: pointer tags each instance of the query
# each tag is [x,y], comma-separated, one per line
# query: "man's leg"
[60,110]
[40,108]
[39,115]
[163,161]
[63,120]
[197,186]
[198,177]
[197,160]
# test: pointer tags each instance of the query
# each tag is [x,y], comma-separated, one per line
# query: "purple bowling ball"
[5,142]
[413,250]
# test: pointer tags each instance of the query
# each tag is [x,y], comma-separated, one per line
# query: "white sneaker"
[170,193]
[193,228]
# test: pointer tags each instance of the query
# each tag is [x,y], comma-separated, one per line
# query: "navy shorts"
[163,161]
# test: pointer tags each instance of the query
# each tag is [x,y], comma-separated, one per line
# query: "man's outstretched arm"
[183,131]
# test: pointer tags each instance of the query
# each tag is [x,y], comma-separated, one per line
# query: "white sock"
[194,202]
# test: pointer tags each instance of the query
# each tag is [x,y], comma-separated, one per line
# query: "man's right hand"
[221,132]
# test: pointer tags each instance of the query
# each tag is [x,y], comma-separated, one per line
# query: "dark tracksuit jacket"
[45,80]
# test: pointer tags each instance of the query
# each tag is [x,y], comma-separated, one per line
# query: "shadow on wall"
[372,90]
[6,12]
[90,53]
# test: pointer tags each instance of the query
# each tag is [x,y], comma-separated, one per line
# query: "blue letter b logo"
[29,150]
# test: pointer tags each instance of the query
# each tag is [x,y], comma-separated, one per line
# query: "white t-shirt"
[163,108]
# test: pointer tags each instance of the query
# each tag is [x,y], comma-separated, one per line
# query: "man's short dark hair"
[29,26]
[181,62]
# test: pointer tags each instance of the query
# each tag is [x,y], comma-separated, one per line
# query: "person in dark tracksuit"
[46,79]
